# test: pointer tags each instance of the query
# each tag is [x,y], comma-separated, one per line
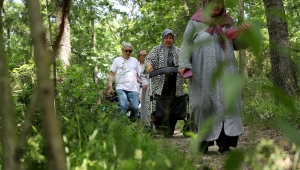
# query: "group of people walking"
[204,48]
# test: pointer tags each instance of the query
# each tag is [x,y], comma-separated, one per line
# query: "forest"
[55,57]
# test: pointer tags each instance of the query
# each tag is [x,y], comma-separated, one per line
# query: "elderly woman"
[164,55]
[143,87]
[205,48]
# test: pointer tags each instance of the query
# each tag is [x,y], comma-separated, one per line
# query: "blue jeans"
[128,96]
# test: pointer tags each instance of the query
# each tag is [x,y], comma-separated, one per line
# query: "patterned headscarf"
[215,24]
[170,55]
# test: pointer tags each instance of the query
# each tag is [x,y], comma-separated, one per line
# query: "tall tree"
[52,135]
[64,53]
[283,72]
[242,53]
[7,110]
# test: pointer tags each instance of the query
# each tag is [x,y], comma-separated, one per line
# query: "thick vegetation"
[97,138]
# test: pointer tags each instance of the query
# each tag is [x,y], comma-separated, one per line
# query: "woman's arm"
[151,59]
[239,43]
[186,48]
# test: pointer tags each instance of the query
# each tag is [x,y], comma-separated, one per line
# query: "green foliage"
[234,160]
[97,139]
[267,155]
[117,143]
[34,157]
[16,26]
[260,106]
[289,131]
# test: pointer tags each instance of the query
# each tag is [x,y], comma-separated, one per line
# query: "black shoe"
[168,135]
[202,148]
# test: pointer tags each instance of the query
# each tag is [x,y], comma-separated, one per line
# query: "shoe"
[168,135]
[202,148]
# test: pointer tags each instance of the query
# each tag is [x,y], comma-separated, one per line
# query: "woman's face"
[215,7]
[168,40]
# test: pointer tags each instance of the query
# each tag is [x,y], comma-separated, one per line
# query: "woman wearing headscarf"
[164,55]
[204,48]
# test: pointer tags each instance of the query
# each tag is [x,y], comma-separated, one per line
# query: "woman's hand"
[245,27]
[181,71]
[149,68]
[145,87]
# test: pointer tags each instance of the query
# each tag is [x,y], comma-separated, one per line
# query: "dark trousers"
[167,124]
[223,140]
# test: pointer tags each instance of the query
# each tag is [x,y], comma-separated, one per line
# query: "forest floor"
[251,137]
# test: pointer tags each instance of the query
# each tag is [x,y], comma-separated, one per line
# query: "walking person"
[203,50]
[145,116]
[164,55]
[125,71]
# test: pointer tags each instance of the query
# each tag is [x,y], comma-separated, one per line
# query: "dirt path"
[249,139]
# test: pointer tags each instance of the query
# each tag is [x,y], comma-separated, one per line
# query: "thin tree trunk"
[94,45]
[53,139]
[96,71]
[8,49]
[197,5]
[51,42]
[7,110]
[242,53]
[64,52]
[283,71]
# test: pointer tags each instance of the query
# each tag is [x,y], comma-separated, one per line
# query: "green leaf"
[289,131]
[234,160]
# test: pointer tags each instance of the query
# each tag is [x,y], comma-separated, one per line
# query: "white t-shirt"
[126,71]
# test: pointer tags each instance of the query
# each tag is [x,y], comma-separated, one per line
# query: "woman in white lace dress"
[203,50]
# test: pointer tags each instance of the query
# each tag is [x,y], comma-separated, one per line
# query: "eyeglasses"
[126,51]
[144,55]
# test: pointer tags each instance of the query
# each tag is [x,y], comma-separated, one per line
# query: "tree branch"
[26,128]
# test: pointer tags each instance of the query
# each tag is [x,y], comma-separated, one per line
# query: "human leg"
[145,114]
[224,141]
[203,146]
[122,99]
[133,99]
[170,127]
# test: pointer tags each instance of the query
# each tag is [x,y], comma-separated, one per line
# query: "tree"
[242,53]
[65,44]
[52,135]
[7,110]
[283,72]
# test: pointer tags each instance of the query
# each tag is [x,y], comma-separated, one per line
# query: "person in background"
[143,87]
[125,71]
[203,50]
[164,55]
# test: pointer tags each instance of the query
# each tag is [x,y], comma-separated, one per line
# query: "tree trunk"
[283,72]
[197,5]
[242,53]
[54,143]
[51,49]
[94,45]
[7,110]
[243,63]
[96,71]
[64,52]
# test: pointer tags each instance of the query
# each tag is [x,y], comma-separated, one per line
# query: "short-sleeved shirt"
[126,71]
